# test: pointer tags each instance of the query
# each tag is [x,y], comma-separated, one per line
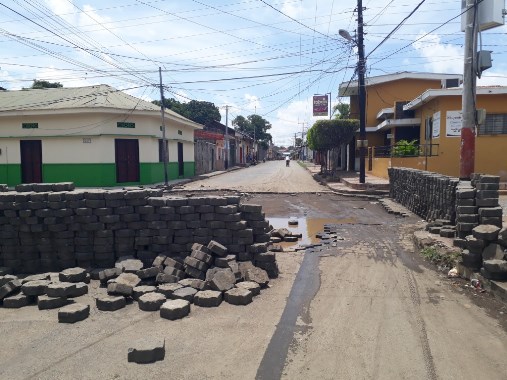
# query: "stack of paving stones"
[50,227]
[430,195]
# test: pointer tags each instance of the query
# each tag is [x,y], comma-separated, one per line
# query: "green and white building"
[94,136]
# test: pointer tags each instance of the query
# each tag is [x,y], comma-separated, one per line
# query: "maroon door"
[127,160]
[31,161]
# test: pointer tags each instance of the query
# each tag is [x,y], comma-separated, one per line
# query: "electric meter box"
[490,14]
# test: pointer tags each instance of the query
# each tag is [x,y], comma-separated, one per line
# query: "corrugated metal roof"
[98,97]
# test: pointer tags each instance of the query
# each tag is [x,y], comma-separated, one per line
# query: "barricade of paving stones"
[44,230]
[430,195]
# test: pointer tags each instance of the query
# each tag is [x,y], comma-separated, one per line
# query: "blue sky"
[268,57]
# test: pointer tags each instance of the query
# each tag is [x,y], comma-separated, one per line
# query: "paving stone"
[73,313]
[35,288]
[129,265]
[73,275]
[495,269]
[36,277]
[80,290]
[9,287]
[257,275]
[208,298]
[195,273]
[163,278]
[159,260]
[486,232]
[238,296]
[202,256]
[168,289]
[170,262]
[493,252]
[175,272]
[110,303]
[148,272]
[17,301]
[151,301]
[200,247]
[121,289]
[265,257]
[471,260]
[244,266]
[185,293]
[217,248]
[223,262]
[254,287]
[109,274]
[60,289]
[223,280]
[146,352]
[175,309]
[138,291]
[45,302]
[130,279]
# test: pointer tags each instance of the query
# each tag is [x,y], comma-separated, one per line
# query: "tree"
[299,141]
[254,126]
[199,111]
[38,84]
[327,135]
[343,110]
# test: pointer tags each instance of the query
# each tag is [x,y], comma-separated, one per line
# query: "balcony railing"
[423,150]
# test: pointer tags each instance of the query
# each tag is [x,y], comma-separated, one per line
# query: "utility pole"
[362,93]
[467,147]
[330,107]
[164,140]
[226,137]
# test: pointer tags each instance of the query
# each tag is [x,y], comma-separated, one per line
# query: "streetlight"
[362,143]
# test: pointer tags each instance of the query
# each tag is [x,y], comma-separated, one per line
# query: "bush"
[404,148]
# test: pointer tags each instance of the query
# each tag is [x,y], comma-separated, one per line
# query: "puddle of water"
[308,228]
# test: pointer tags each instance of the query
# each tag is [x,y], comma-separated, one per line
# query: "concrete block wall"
[52,230]
[430,195]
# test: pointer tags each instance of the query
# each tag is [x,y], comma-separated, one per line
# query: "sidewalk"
[348,182]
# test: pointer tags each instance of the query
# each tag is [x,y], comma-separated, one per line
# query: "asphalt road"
[366,308]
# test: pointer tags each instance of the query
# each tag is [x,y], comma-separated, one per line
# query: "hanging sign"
[320,105]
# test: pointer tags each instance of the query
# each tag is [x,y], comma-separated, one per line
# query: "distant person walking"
[287,160]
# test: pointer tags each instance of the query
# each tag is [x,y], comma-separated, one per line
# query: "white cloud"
[441,58]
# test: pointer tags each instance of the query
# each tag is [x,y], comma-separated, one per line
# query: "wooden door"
[31,161]
[127,160]
[181,170]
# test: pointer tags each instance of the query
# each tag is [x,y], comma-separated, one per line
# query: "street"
[366,307]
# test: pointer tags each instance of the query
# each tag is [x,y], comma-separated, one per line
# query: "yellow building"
[386,120]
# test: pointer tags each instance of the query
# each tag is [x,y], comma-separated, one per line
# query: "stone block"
[148,273]
[490,211]
[146,352]
[495,270]
[217,248]
[163,278]
[486,232]
[208,298]
[202,256]
[73,313]
[129,265]
[17,301]
[80,290]
[171,262]
[223,262]
[195,273]
[110,303]
[238,296]
[185,293]
[265,257]
[130,279]
[222,280]
[488,202]
[175,309]
[197,264]
[73,275]
[141,290]
[45,302]
[61,289]
[244,207]
[168,289]
[151,301]
[35,288]
[175,272]
[493,251]
[120,289]
[108,274]
[159,260]
[253,287]
[471,260]
[257,275]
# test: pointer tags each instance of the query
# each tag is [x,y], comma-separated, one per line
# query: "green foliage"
[343,110]
[254,126]
[329,134]
[198,111]
[38,84]
[440,257]
[405,148]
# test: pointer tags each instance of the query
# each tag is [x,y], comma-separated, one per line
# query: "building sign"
[320,105]
[436,125]
[453,123]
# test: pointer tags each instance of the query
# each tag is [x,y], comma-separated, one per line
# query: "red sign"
[320,105]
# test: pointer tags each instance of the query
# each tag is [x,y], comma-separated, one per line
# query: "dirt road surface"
[364,307]
[270,176]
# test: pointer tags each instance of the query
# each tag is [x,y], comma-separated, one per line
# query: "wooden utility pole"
[164,140]
[467,147]
[362,93]
[226,137]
